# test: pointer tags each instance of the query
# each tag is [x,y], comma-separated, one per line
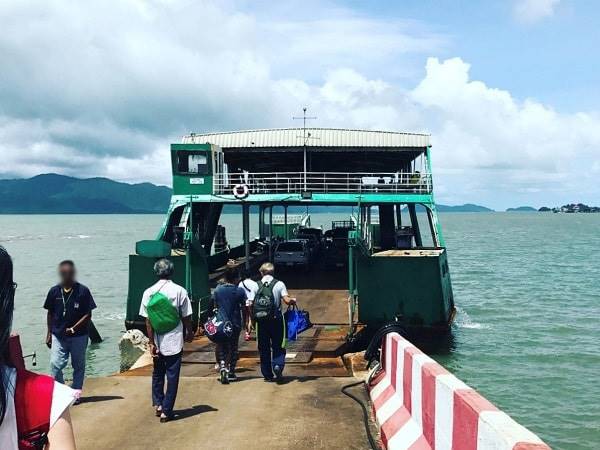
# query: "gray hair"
[163,268]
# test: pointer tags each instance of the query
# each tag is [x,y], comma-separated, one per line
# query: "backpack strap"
[271,285]
[160,288]
[33,404]
[268,284]
[245,287]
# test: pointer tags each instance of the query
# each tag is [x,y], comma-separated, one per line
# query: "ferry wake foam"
[420,405]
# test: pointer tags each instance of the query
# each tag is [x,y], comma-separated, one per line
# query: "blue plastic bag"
[296,321]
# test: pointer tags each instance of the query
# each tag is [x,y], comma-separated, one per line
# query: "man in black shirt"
[69,306]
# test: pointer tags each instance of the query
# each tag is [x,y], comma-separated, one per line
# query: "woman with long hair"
[23,393]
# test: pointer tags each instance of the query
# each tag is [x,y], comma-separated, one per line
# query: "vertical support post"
[351,286]
[188,251]
[351,277]
[304,139]
[387,229]
[368,230]
[304,165]
[434,217]
[428,159]
[246,233]
[187,239]
[437,226]
[398,215]
[363,221]
[285,222]
[261,222]
[434,235]
[271,233]
[415,224]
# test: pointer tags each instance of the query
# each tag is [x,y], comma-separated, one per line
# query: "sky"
[507,89]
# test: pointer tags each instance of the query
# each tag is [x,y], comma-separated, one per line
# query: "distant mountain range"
[59,194]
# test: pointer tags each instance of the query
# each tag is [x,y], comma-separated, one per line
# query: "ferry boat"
[393,265]
[378,273]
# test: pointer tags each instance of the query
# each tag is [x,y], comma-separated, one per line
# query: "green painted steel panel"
[153,248]
[279,230]
[415,288]
[376,235]
[188,184]
[141,276]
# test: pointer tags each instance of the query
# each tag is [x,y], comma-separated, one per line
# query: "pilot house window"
[195,163]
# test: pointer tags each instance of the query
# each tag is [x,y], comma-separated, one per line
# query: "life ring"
[241,191]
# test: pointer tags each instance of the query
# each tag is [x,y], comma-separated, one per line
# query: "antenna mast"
[305,137]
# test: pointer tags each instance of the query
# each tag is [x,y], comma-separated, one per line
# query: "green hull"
[414,290]
[201,276]
[141,276]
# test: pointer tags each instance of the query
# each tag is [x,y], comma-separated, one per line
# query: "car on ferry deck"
[293,253]
[336,246]
[313,244]
[314,236]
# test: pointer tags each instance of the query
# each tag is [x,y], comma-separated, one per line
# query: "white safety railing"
[325,182]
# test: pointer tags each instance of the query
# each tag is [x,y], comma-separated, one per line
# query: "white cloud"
[505,147]
[98,83]
[532,11]
[91,91]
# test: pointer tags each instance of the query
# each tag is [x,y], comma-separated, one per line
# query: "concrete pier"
[305,413]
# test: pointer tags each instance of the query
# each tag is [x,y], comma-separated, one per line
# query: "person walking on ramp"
[230,300]
[168,310]
[69,306]
[270,326]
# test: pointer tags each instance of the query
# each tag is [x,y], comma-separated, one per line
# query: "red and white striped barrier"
[420,405]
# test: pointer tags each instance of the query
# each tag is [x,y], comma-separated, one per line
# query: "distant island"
[572,208]
[522,209]
[467,207]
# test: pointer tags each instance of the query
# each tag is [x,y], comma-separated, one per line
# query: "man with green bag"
[168,311]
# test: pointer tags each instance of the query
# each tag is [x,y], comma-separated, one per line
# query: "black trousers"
[227,352]
[271,336]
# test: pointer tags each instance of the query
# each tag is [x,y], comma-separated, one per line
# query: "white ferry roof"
[319,138]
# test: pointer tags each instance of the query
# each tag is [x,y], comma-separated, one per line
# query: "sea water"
[527,288]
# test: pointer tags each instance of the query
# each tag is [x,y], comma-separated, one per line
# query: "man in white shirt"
[250,287]
[167,348]
[270,330]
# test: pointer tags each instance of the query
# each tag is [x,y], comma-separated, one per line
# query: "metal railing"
[325,182]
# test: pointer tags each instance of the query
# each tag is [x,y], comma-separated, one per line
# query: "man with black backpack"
[270,325]
[168,312]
